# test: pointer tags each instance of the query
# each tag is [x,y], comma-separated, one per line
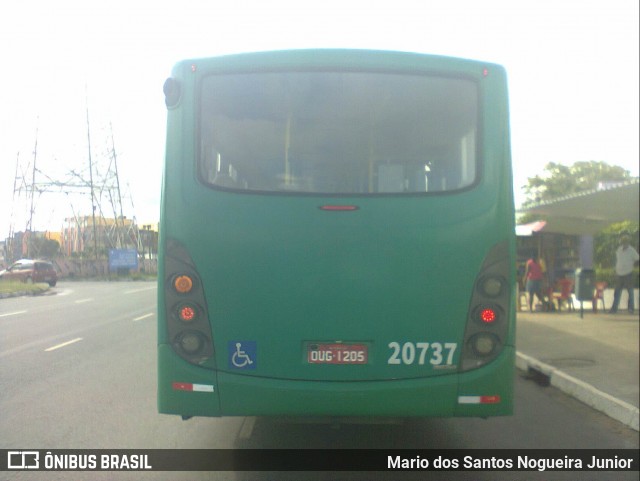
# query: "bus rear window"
[338,132]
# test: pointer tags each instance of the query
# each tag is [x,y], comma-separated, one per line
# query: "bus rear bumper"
[483,392]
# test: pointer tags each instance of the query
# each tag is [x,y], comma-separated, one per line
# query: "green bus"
[337,237]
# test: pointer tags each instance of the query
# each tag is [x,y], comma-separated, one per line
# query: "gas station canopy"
[589,212]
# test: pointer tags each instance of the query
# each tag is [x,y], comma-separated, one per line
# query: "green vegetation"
[560,180]
[11,287]
[608,240]
[606,243]
[43,248]
[609,276]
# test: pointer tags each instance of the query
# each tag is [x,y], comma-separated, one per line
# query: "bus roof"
[339,58]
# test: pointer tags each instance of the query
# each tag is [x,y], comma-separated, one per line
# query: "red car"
[30,271]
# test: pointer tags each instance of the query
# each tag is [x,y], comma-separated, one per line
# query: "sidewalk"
[593,358]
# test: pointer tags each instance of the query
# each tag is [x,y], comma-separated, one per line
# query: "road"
[77,371]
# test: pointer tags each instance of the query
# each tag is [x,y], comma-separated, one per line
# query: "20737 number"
[436,353]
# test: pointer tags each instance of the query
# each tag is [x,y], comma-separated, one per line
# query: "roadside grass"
[134,277]
[10,287]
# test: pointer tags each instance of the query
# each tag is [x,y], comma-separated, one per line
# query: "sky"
[84,73]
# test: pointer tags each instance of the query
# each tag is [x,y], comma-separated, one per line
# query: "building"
[564,239]
[30,244]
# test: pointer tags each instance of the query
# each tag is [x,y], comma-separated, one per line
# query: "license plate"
[337,353]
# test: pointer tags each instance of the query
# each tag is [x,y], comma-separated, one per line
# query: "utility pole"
[29,227]
[10,242]
[93,205]
[115,166]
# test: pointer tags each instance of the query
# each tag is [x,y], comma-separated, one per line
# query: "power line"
[101,183]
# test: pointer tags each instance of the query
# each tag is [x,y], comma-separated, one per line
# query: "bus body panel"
[172,371]
[295,274]
[395,274]
[242,395]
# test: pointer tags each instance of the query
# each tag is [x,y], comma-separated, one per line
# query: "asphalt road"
[77,371]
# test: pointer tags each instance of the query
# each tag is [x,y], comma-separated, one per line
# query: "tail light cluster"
[488,319]
[188,325]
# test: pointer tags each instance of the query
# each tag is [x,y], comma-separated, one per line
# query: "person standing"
[626,257]
[533,281]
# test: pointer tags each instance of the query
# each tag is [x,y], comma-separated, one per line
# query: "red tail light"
[488,315]
[187,313]
[185,307]
[487,330]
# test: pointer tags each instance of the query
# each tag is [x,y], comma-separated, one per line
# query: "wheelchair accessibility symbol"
[243,354]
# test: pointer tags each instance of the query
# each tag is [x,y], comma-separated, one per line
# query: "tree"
[561,180]
[45,248]
[607,241]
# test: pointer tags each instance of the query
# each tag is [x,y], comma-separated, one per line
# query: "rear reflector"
[187,386]
[495,399]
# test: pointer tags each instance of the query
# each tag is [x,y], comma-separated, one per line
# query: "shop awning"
[589,212]
[527,230]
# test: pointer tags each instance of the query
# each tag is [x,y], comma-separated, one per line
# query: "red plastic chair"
[599,295]
[564,295]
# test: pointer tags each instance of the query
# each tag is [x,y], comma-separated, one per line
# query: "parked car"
[30,271]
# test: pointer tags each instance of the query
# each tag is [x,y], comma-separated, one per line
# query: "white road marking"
[80,301]
[140,290]
[12,313]
[143,316]
[58,346]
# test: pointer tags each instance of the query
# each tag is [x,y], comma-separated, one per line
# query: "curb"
[619,410]
[7,295]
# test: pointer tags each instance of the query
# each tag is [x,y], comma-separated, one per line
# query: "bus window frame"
[479,141]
